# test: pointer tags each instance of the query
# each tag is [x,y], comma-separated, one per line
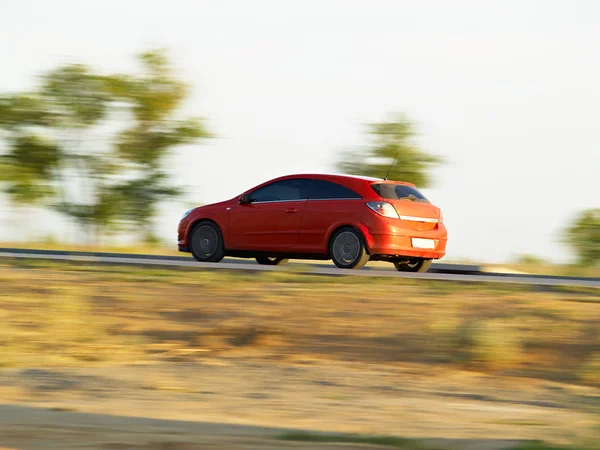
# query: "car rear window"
[391,191]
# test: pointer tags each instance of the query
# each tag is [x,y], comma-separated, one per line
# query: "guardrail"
[435,267]
[438,271]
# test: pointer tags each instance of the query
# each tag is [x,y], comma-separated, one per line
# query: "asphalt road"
[37,428]
[445,272]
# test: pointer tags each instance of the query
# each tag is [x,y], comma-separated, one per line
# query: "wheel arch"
[358,226]
[194,223]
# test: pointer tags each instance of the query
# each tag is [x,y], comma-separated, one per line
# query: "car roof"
[346,176]
[335,175]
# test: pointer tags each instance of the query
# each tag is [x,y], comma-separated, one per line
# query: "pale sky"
[506,91]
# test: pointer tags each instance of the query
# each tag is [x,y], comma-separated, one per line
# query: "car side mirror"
[244,199]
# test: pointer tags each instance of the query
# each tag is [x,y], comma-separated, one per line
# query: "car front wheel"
[413,265]
[347,249]
[206,242]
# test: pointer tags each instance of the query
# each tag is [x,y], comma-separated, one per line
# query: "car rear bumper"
[401,245]
[391,238]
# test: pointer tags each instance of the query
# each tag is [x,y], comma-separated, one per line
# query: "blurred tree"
[78,100]
[153,99]
[29,164]
[530,260]
[67,149]
[391,138]
[584,236]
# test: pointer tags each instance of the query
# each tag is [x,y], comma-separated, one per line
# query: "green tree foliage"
[153,99]
[76,97]
[93,147]
[584,236]
[77,100]
[29,165]
[391,138]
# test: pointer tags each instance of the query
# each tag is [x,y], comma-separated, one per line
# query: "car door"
[271,220]
[328,203]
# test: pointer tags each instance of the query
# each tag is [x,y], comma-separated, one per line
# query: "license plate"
[423,243]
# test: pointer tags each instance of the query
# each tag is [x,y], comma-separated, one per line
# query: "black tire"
[414,265]
[271,260]
[206,242]
[347,249]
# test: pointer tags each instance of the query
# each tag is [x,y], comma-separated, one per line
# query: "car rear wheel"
[414,265]
[206,242]
[347,249]
[271,260]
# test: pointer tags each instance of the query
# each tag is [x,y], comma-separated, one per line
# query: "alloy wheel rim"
[346,247]
[205,241]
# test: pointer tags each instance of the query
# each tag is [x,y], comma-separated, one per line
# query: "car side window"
[322,189]
[284,190]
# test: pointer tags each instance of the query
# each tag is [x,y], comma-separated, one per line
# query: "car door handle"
[291,210]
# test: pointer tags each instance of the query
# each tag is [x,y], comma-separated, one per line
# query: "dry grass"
[143,249]
[69,314]
[357,357]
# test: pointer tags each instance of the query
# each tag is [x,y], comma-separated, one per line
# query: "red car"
[348,219]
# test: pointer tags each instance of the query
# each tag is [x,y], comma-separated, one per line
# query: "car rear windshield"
[392,191]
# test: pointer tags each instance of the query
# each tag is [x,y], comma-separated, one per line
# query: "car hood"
[213,205]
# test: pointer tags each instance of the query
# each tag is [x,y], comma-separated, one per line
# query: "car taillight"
[384,209]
